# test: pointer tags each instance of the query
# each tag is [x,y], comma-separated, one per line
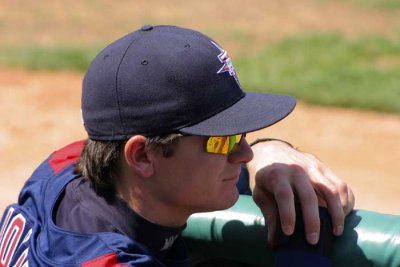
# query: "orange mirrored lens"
[223,144]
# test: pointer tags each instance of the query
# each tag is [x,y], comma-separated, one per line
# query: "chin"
[224,201]
[229,200]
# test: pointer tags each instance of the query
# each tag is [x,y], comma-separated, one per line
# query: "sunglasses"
[223,144]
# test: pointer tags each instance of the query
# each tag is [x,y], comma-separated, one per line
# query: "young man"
[166,119]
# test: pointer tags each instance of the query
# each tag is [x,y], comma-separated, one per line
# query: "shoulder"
[36,244]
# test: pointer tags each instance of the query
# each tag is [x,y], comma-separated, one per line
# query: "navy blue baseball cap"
[166,79]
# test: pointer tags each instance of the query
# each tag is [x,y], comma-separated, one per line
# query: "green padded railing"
[239,234]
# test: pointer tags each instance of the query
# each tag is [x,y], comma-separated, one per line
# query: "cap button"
[147,28]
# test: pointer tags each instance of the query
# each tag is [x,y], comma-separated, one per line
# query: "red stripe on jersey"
[107,260]
[65,156]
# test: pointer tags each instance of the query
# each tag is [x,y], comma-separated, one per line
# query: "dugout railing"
[237,237]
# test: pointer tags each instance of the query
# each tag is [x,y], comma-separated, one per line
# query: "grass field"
[329,70]
[385,4]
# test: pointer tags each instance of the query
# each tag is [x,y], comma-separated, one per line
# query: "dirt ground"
[40,111]
[240,25]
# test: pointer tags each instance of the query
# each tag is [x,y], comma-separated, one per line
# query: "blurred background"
[340,58]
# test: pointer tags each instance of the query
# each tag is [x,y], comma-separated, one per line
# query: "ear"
[137,156]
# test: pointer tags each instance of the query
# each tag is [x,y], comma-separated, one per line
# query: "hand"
[279,175]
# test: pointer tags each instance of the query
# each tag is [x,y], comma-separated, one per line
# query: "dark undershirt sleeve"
[295,251]
[243,184]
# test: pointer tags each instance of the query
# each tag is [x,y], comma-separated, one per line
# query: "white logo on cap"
[228,66]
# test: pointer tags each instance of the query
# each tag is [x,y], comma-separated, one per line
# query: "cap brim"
[253,112]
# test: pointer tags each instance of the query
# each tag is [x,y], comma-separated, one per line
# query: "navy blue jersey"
[29,236]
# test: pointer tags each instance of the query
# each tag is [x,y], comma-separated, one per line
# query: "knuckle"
[330,191]
[283,193]
[276,169]
[258,196]
[334,192]
[299,173]
[262,199]
[271,174]
[270,214]
[296,169]
[342,187]
[309,198]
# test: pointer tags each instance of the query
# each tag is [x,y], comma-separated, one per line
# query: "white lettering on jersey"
[11,234]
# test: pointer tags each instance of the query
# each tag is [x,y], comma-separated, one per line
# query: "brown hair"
[100,161]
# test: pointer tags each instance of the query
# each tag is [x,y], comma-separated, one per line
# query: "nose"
[242,154]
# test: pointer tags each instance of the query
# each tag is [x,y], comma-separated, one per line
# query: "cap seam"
[117,88]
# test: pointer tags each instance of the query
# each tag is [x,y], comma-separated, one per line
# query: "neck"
[148,205]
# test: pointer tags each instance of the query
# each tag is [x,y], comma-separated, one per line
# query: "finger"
[332,191]
[346,195]
[268,208]
[270,213]
[336,195]
[271,223]
[278,184]
[308,201]
[351,201]
[334,208]
[284,198]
